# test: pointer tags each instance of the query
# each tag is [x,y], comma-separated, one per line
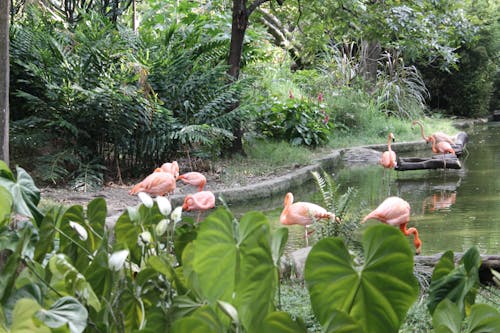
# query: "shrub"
[296,120]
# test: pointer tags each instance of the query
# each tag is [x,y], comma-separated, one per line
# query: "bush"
[298,121]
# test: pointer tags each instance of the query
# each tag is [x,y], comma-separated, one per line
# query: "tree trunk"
[4,79]
[238,29]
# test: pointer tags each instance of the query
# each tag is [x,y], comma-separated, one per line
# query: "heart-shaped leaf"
[65,311]
[459,285]
[25,194]
[233,262]
[377,294]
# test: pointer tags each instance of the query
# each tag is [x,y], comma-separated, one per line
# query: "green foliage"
[298,121]
[458,284]
[373,297]
[400,90]
[347,216]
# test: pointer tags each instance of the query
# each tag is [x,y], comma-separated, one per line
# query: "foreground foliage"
[67,270]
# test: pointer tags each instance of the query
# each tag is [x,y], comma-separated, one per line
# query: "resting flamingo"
[199,201]
[442,147]
[303,213]
[438,136]
[396,212]
[194,178]
[388,159]
[158,183]
[172,168]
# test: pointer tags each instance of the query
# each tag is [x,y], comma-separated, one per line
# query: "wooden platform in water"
[436,161]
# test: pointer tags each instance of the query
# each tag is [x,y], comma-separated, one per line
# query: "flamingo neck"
[389,144]
[422,130]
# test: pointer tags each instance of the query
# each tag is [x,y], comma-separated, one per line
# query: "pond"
[452,209]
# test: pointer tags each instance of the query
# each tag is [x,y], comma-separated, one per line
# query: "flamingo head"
[188,200]
[391,137]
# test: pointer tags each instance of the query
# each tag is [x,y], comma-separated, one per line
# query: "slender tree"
[241,14]
[4,79]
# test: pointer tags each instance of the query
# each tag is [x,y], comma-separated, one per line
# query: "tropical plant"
[400,89]
[346,295]
[297,120]
[452,295]
[347,217]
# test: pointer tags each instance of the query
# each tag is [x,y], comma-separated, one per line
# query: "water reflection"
[439,201]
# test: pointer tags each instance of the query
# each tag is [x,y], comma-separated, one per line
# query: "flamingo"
[442,147]
[172,168]
[396,212]
[199,201]
[158,183]
[194,178]
[388,159]
[303,213]
[438,136]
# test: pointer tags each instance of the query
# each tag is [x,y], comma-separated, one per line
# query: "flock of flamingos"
[394,211]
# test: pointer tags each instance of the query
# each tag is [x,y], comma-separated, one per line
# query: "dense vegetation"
[65,270]
[95,94]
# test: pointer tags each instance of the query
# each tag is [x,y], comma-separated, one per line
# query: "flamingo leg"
[416,240]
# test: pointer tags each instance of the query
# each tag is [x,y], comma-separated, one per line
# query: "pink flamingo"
[442,147]
[194,178]
[156,184]
[388,159]
[172,168]
[199,201]
[303,213]
[438,136]
[396,212]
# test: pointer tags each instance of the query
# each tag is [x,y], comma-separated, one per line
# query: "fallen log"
[293,265]
[425,265]
[434,162]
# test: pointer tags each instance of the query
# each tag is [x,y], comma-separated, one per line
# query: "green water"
[452,209]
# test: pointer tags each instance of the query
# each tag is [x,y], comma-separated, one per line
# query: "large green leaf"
[67,280]
[96,215]
[282,322]
[9,271]
[341,322]
[23,318]
[65,311]
[25,194]
[203,320]
[458,285]
[233,262]
[6,203]
[127,233]
[50,221]
[447,318]
[377,294]
[483,319]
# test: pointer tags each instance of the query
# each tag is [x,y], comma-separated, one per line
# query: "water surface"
[452,209]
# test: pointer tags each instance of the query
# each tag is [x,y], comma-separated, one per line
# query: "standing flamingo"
[303,213]
[199,201]
[438,136]
[388,159]
[396,212]
[194,178]
[172,168]
[158,183]
[442,147]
